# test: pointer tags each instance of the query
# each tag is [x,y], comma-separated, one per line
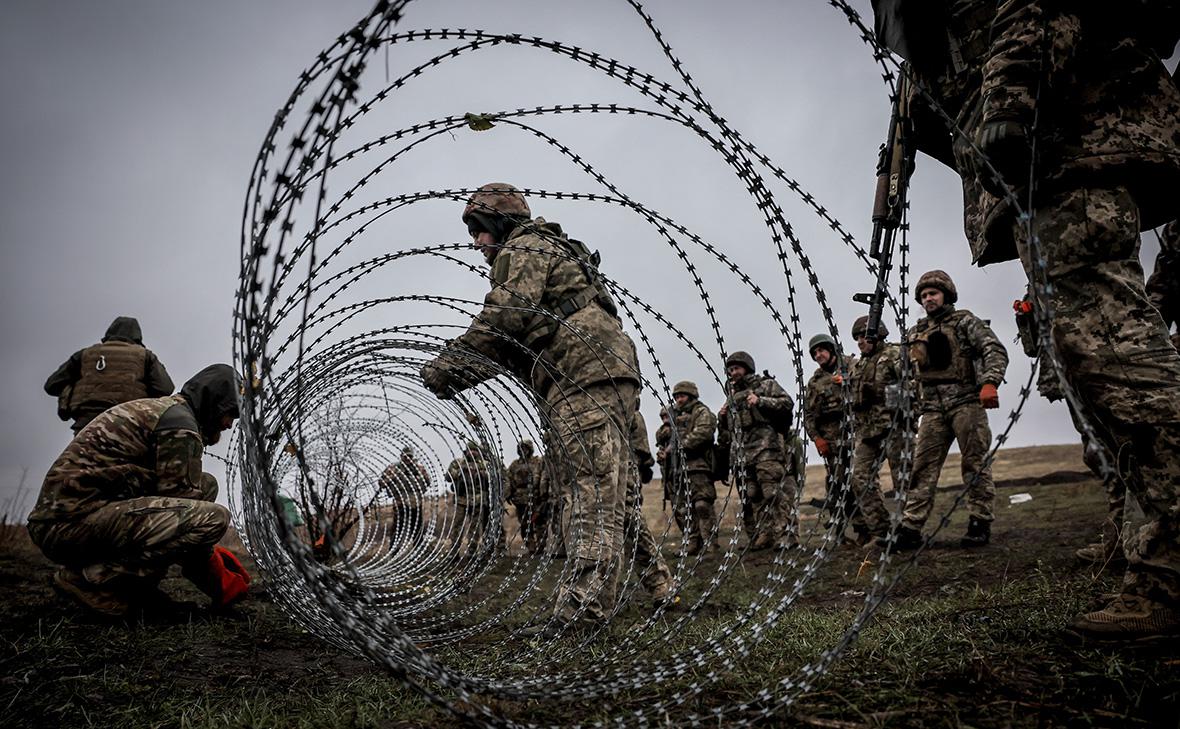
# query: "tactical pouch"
[64,410]
[1026,327]
[893,396]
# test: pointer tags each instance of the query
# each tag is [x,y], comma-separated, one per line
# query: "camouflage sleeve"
[700,431]
[178,464]
[990,349]
[639,442]
[663,435]
[1031,40]
[810,409]
[509,309]
[889,367]
[66,375]
[772,397]
[724,437]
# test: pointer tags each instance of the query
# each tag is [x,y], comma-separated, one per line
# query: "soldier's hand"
[821,445]
[918,352]
[437,380]
[1006,144]
[989,397]
[724,409]
[838,379]
[751,399]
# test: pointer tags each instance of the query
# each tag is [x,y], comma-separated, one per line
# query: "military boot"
[102,601]
[1129,618]
[693,546]
[979,533]
[1102,553]
[906,539]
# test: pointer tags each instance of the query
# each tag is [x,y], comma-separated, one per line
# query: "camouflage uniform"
[524,493]
[656,576]
[688,469]
[470,476]
[1108,166]
[117,370]
[876,383]
[548,320]
[1163,286]
[758,458]
[127,497]
[406,483]
[947,345]
[823,422]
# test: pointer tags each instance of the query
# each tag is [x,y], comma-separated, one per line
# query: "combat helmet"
[524,449]
[496,197]
[861,326]
[822,340]
[937,279]
[741,358]
[686,387]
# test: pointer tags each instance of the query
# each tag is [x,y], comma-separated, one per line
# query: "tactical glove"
[1006,145]
[646,474]
[821,445]
[838,379]
[988,396]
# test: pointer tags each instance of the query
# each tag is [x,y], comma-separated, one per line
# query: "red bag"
[229,580]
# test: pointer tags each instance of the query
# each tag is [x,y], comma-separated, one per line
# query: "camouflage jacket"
[523,326]
[873,376]
[471,478]
[148,447]
[962,354]
[405,481]
[639,443]
[1163,286]
[1107,112]
[692,430]
[760,439]
[823,402]
[663,438]
[523,480]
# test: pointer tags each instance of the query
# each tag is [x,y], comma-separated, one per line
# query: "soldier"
[761,409]
[954,392]
[876,391]
[116,370]
[470,476]
[1083,85]
[406,483]
[656,576]
[1163,286]
[126,499]
[524,491]
[823,421]
[688,476]
[549,320]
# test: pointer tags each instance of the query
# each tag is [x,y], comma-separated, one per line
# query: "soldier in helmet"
[471,478]
[406,483]
[824,423]
[127,498]
[751,423]
[116,370]
[876,388]
[960,363]
[549,320]
[688,474]
[1082,84]
[524,493]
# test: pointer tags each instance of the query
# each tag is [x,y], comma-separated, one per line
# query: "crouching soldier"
[755,414]
[127,498]
[688,455]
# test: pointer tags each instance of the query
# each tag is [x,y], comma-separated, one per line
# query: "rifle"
[893,171]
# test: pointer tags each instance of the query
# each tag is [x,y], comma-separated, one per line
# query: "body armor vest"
[948,356]
[112,373]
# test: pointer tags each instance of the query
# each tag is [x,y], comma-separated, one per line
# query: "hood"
[124,329]
[211,393]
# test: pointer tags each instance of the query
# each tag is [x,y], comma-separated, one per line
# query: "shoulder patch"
[501,266]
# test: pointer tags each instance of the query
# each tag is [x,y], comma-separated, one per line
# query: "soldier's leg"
[681,487]
[655,575]
[974,435]
[704,496]
[1116,354]
[591,435]
[864,486]
[934,439]
[771,513]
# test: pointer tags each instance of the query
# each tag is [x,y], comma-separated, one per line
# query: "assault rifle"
[893,171]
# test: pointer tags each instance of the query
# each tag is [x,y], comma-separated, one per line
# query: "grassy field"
[967,638]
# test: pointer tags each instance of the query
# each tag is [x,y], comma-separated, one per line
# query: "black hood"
[211,393]
[124,329]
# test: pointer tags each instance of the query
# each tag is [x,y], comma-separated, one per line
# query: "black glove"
[437,380]
[646,474]
[1006,145]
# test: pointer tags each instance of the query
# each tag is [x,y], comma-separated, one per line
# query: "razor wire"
[413,575]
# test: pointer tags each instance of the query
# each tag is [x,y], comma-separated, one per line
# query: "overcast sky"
[130,128]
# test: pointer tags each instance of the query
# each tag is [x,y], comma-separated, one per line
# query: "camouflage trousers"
[533,521]
[768,508]
[871,516]
[595,445]
[693,496]
[1116,353]
[655,575]
[136,539]
[937,430]
[839,502]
